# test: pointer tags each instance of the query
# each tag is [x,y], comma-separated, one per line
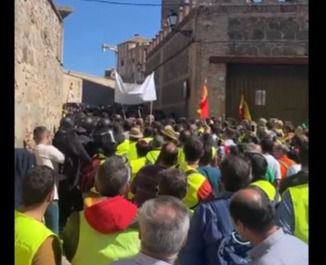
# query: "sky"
[91,24]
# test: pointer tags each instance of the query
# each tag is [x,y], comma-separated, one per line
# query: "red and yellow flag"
[244,111]
[203,105]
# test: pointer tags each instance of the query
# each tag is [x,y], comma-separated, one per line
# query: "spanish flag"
[203,105]
[244,112]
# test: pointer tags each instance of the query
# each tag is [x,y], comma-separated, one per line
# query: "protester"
[145,183]
[173,182]
[104,232]
[48,155]
[198,189]
[163,227]
[267,146]
[35,244]
[211,221]
[253,217]
[24,161]
[280,153]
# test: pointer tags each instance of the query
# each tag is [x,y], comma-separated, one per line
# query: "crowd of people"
[108,190]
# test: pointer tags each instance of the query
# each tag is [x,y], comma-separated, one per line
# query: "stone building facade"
[132,59]
[39,93]
[228,35]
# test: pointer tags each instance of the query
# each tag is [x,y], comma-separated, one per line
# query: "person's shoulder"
[222,199]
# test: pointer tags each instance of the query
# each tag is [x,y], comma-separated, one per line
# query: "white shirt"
[48,155]
[294,169]
[274,165]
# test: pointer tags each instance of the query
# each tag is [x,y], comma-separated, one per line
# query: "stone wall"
[38,73]
[225,28]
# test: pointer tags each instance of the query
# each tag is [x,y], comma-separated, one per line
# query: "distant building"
[88,89]
[255,48]
[132,59]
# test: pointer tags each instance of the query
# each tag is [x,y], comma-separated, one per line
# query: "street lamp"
[172,21]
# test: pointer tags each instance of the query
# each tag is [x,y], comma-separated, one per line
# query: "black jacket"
[24,161]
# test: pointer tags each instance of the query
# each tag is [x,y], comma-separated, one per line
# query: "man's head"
[279,150]
[142,148]
[164,224]
[37,186]
[169,155]
[235,173]
[112,177]
[258,165]
[41,135]
[267,145]
[173,182]
[251,212]
[193,150]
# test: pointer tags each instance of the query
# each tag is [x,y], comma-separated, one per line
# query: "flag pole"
[150,112]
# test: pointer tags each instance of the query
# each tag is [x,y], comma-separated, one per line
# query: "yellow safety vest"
[194,182]
[136,165]
[132,152]
[123,148]
[182,160]
[152,156]
[29,236]
[266,187]
[299,196]
[102,249]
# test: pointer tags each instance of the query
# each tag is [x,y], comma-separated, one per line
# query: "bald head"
[252,208]
[169,155]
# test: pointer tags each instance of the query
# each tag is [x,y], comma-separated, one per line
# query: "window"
[122,63]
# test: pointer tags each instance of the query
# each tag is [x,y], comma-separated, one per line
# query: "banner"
[134,94]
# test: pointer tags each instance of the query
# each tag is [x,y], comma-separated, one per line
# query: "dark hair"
[112,176]
[255,214]
[168,155]
[38,133]
[193,150]
[267,145]
[235,173]
[207,155]
[293,155]
[185,136]
[173,182]
[37,185]
[258,165]
[148,131]
[142,148]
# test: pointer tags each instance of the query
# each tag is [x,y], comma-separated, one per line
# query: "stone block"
[302,35]
[273,35]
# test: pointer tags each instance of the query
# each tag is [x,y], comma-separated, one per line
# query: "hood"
[111,215]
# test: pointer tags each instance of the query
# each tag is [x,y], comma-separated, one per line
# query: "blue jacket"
[210,223]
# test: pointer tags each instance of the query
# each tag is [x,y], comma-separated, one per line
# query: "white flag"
[134,94]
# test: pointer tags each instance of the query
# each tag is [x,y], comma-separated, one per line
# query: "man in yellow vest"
[35,244]
[258,170]
[198,187]
[293,212]
[135,135]
[104,231]
[156,146]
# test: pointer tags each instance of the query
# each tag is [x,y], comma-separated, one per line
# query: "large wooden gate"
[285,88]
